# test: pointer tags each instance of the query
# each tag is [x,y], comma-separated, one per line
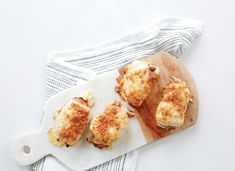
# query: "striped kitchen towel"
[68,68]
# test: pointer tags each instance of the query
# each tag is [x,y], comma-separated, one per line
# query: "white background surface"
[30,29]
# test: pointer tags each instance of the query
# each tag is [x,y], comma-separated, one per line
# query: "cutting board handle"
[29,148]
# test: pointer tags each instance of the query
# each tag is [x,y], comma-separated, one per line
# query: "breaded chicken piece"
[172,108]
[136,81]
[108,126]
[71,121]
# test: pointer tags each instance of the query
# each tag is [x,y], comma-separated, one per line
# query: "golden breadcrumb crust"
[71,121]
[106,127]
[173,106]
[136,81]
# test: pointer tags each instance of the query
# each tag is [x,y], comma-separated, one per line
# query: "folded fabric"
[68,68]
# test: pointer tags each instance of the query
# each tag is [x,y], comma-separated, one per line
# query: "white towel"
[68,68]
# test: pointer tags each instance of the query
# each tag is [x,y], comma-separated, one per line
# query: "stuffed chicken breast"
[136,81]
[71,121]
[172,108]
[109,125]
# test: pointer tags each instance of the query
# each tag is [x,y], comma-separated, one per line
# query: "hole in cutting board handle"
[26,149]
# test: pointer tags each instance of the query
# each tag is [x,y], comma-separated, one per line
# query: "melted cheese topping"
[108,126]
[71,121]
[173,106]
[136,82]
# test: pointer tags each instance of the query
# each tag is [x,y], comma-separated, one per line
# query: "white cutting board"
[141,130]
[84,155]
